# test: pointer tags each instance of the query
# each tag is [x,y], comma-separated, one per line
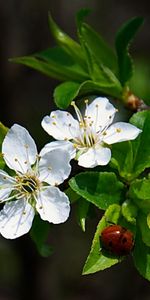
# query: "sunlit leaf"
[66,42]
[98,259]
[68,91]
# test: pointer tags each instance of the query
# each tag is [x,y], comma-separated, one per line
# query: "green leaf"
[60,58]
[98,260]
[133,157]
[140,193]
[65,93]
[99,72]
[145,231]
[123,39]
[39,234]
[141,255]
[82,212]
[122,158]
[55,54]
[68,91]
[129,211]
[148,220]
[67,43]
[52,68]
[101,189]
[99,48]
[141,145]
[3,131]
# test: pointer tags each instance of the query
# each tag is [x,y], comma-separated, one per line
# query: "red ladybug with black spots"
[117,240]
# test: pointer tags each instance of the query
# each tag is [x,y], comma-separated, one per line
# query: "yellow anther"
[81,124]
[118,130]
[104,133]
[53,116]
[86,100]
[54,123]
[75,146]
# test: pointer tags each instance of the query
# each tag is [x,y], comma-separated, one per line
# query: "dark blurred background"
[26,96]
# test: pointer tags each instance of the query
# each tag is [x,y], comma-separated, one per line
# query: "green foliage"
[122,159]
[145,231]
[39,234]
[82,212]
[68,91]
[148,220]
[129,211]
[68,44]
[100,188]
[98,260]
[54,66]
[140,146]
[128,157]
[65,93]
[99,48]
[141,255]
[90,66]
[139,192]
[123,39]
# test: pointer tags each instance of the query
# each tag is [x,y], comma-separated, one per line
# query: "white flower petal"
[16,218]
[61,125]
[53,205]
[100,112]
[54,166]
[6,185]
[63,145]
[19,149]
[95,157]
[120,132]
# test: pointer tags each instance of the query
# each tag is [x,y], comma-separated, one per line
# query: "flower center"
[87,136]
[27,185]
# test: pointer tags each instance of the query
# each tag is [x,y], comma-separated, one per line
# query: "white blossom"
[88,138]
[33,186]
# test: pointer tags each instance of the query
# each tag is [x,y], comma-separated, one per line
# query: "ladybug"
[117,240]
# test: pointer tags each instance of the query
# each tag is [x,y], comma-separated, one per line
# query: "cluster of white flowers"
[32,187]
